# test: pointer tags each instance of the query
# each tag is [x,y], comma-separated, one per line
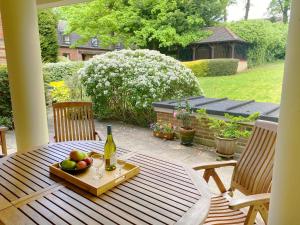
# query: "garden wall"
[243,65]
[203,134]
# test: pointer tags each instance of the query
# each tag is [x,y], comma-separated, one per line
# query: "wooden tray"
[87,181]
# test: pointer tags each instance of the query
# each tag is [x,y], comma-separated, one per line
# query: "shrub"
[213,67]
[77,90]
[6,121]
[266,40]
[219,67]
[55,91]
[48,35]
[59,92]
[61,70]
[63,59]
[124,84]
[199,67]
[5,101]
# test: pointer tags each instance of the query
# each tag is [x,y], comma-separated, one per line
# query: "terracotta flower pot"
[187,136]
[157,134]
[225,146]
[169,136]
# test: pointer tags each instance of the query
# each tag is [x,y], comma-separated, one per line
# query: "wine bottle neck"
[109,137]
[108,130]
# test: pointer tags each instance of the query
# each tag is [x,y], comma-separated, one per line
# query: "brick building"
[80,53]
[2,47]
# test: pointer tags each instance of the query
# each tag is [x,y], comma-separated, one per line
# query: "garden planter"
[187,136]
[155,133]
[167,136]
[225,146]
[158,134]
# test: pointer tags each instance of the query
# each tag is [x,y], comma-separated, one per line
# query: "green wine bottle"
[110,151]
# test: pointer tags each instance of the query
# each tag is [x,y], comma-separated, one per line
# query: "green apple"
[68,164]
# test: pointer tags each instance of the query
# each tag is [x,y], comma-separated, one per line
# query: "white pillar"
[285,200]
[21,36]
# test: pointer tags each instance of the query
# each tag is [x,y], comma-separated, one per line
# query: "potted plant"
[157,129]
[163,130]
[168,131]
[227,131]
[187,132]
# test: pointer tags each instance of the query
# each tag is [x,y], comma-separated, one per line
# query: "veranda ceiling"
[55,3]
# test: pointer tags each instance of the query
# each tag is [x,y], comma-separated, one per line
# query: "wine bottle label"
[113,159]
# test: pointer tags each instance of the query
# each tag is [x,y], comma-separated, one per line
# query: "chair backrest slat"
[253,173]
[73,121]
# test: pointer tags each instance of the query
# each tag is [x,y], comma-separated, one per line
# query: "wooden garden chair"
[252,176]
[3,141]
[74,121]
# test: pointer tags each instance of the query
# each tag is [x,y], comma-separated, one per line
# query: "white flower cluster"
[137,78]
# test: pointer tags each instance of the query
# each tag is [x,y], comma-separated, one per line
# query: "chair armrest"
[98,135]
[211,172]
[250,200]
[213,165]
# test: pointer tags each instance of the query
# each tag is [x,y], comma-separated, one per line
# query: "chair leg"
[264,213]
[3,143]
[251,216]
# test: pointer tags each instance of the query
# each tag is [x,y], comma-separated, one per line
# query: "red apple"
[88,160]
[81,165]
[77,156]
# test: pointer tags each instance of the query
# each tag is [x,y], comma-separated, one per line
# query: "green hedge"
[52,72]
[60,71]
[213,67]
[48,35]
[5,102]
[199,67]
[63,71]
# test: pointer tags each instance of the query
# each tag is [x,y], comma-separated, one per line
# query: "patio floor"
[140,139]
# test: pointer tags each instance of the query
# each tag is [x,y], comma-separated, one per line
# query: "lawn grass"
[262,84]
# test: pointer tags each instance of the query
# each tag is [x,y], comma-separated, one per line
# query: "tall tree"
[48,35]
[280,7]
[226,4]
[247,9]
[143,23]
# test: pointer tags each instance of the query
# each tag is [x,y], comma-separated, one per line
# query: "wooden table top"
[162,193]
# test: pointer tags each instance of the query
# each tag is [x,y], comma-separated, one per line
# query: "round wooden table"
[162,193]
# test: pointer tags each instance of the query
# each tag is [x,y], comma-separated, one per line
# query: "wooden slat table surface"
[162,193]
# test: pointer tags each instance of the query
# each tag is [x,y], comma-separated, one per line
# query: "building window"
[66,39]
[67,55]
[118,47]
[94,42]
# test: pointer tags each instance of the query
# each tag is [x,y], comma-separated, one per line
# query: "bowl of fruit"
[77,162]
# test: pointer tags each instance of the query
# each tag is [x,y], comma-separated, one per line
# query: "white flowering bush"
[124,84]
[60,70]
